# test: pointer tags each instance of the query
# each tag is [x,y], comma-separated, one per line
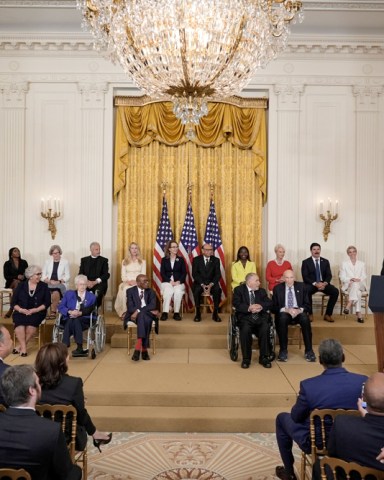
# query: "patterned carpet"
[179,456]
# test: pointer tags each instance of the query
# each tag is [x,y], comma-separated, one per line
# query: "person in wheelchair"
[76,308]
[252,304]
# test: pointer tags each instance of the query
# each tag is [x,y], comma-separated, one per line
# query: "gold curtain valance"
[241,124]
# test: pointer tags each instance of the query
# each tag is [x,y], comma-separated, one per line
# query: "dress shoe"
[328,318]
[283,356]
[136,356]
[310,356]
[164,316]
[283,475]
[177,316]
[265,362]
[15,352]
[145,356]
[244,364]
[360,319]
[23,354]
[346,311]
[197,318]
[79,352]
[215,317]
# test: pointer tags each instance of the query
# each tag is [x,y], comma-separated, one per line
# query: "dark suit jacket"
[206,275]
[357,439]
[179,270]
[3,367]
[278,297]
[241,300]
[101,270]
[69,302]
[70,392]
[134,302]
[11,272]
[308,270]
[334,388]
[36,444]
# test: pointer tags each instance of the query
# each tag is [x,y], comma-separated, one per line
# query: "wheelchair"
[233,337]
[95,334]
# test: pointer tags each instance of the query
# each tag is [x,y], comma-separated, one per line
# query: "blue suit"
[334,388]
[76,326]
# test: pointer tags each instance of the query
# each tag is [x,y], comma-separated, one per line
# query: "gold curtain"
[229,150]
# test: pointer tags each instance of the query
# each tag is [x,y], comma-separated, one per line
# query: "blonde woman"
[276,268]
[132,266]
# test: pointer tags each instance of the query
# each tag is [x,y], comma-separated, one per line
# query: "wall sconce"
[51,209]
[328,217]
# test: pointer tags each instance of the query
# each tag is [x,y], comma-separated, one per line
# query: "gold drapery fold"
[229,150]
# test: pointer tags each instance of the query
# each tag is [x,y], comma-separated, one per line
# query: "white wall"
[326,124]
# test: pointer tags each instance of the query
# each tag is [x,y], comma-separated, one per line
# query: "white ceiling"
[359,19]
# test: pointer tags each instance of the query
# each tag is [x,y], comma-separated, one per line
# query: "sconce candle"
[328,217]
[50,210]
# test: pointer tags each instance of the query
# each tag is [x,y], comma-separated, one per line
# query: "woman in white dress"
[353,277]
[133,265]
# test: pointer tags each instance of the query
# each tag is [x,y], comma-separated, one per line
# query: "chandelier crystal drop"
[190,50]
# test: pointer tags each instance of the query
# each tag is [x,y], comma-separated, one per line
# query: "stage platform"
[191,385]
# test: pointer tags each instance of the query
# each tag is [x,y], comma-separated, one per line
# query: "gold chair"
[14,474]
[295,333]
[344,301]
[5,298]
[325,417]
[132,329]
[173,305]
[348,467]
[324,300]
[40,334]
[66,415]
[2,408]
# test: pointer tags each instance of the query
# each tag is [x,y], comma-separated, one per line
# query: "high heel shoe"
[346,311]
[100,441]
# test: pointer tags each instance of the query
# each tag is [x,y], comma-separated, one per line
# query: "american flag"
[188,249]
[212,236]
[164,234]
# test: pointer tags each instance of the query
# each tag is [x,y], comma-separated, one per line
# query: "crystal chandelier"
[190,50]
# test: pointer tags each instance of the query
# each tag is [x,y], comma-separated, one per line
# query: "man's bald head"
[374,393]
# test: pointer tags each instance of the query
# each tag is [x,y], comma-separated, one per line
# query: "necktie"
[253,301]
[206,262]
[290,298]
[318,275]
[141,294]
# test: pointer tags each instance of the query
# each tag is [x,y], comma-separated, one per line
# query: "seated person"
[27,440]
[241,267]
[59,388]
[76,307]
[173,274]
[6,345]
[56,275]
[252,304]
[353,278]
[14,270]
[95,268]
[141,309]
[30,303]
[206,277]
[291,306]
[276,268]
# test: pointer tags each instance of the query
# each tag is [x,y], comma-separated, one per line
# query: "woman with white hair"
[56,275]
[30,302]
[276,268]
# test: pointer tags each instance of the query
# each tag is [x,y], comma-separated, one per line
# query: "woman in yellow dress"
[241,267]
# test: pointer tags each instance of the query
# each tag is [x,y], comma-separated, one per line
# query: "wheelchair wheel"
[233,338]
[57,331]
[100,334]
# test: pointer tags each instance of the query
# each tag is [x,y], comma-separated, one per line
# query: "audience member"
[334,388]
[30,302]
[317,276]
[353,277]
[59,388]
[291,306]
[252,304]
[206,277]
[173,274]
[6,344]
[27,440]
[241,267]
[56,275]
[141,309]
[95,268]
[14,270]
[276,268]
[76,307]
[132,266]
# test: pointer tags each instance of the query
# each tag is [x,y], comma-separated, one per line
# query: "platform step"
[119,340]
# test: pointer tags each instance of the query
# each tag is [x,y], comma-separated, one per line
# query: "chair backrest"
[321,421]
[14,474]
[351,470]
[67,416]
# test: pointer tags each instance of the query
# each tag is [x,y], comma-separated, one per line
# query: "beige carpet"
[176,456]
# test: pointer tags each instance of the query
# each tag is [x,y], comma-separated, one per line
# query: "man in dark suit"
[141,309]
[6,346]
[317,275]
[206,277]
[252,304]
[334,388]
[291,306]
[26,440]
[96,269]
